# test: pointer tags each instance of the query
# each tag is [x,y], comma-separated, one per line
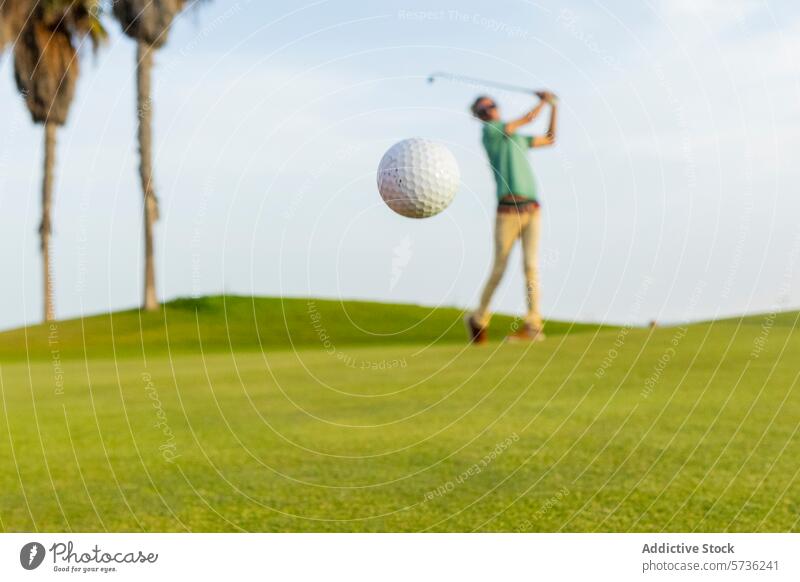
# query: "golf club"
[481,83]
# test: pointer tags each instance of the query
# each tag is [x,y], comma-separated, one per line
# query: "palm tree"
[46,70]
[147,22]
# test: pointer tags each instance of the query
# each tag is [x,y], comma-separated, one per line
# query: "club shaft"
[482,82]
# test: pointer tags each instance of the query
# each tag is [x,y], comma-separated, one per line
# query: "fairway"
[211,416]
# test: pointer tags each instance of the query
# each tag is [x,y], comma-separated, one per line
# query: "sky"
[671,195]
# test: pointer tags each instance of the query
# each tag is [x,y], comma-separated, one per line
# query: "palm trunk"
[45,228]
[145,113]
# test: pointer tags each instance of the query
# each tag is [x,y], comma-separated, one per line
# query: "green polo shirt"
[508,156]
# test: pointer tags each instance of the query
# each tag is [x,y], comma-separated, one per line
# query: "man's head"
[485,109]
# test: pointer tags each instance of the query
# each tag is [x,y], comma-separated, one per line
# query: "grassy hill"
[390,422]
[225,323]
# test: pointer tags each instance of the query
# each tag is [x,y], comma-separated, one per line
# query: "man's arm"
[548,138]
[512,126]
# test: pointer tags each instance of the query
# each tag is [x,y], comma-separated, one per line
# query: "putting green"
[370,417]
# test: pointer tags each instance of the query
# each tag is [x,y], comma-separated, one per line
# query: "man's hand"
[547,96]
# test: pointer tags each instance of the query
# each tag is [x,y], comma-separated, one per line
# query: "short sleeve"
[494,130]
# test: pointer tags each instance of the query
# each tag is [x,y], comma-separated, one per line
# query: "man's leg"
[530,258]
[506,231]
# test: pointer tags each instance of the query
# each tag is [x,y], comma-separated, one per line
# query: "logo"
[31,555]
[401,257]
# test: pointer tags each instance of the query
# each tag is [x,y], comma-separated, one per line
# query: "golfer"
[518,214]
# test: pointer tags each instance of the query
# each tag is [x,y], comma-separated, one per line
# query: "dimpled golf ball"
[418,177]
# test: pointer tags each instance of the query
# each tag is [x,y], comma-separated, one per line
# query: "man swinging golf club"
[518,214]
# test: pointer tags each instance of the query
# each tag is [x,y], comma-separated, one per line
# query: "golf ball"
[418,177]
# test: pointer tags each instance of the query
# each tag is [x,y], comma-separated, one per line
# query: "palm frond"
[147,20]
[79,18]
[13,16]
[46,63]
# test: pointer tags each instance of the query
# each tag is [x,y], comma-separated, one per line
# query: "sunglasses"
[486,108]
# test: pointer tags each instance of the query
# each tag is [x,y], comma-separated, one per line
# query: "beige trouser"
[509,227]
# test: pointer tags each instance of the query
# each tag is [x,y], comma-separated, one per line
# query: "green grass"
[246,324]
[390,423]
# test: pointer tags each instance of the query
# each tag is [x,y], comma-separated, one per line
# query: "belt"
[512,203]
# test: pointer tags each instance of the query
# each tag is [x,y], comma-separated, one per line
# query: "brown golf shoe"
[526,333]
[477,334]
